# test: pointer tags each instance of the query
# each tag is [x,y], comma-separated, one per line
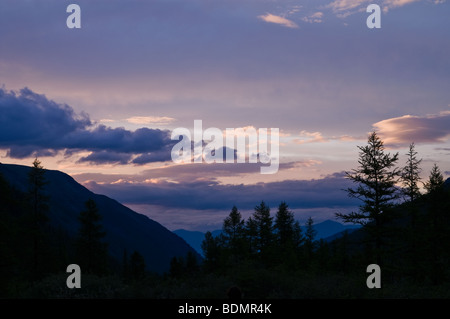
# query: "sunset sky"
[100,102]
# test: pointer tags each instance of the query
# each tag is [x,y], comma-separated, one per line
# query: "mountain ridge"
[125,228]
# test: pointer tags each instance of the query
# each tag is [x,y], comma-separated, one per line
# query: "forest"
[405,230]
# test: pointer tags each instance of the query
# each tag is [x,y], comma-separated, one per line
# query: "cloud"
[271,18]
[310,137]
[388,4]
[106,157]
[344,8]
[314,18]
[154,120]
[406,129]
[183,173]
[306,137]
[210,194]
[32,125]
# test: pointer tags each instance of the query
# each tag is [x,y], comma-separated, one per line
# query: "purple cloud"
[204,193]
[32,125]
[419,129]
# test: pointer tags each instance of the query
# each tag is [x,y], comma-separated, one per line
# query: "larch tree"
[376,178]
[410,175]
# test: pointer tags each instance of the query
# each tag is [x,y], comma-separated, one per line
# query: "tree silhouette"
[410,178]
[137,266]
[211,251]
[435,180]
[438,225]
[376,177]
[233,229]
[91,251]
[233,235]
[411,175]
[263,223]
[310,235]
[287,229]
[39,206]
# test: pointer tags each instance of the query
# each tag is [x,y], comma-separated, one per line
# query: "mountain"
[331,228]
[326,230]
[125,229]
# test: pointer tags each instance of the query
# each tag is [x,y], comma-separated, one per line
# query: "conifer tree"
[411,175]
[137,266]
[38,201]
[211,252]
[263,222]
[410,178]
[233,230]
[284,224]
[375,177]
[435,180]
[310,235]
[438,226]
[92,252]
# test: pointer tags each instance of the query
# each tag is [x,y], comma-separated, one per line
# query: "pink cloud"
[405,129]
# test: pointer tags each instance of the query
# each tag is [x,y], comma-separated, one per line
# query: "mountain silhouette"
[125,229]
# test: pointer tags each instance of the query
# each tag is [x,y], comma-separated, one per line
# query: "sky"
[100,102]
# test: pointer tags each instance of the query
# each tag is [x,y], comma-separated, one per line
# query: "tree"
[376,177]
[435,180]
[39,207]
[438,226]
[287,230]
[211,251]
[137,266]
[91,251]
[310,235]
[263,223]
[288,236]
[233,230]
[176,267]
[410,178]
[251,235]
[411,175]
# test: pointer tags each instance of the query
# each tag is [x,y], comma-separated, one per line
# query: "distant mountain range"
[327,230]
[125,229]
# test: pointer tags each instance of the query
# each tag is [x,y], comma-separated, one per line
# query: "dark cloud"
[210,194]
[32,125]
[105,157]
